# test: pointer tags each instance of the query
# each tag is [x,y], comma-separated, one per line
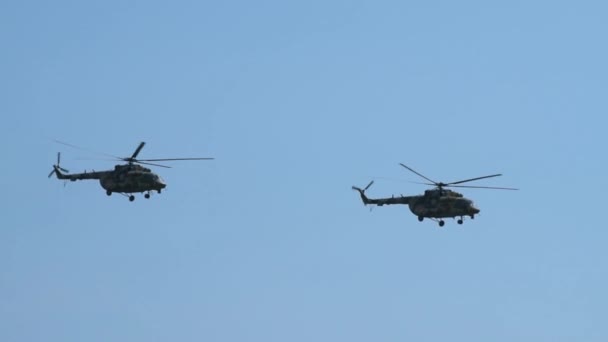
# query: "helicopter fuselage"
[123,179]
[433,204]
[436,203]
[442,207]
[132,181]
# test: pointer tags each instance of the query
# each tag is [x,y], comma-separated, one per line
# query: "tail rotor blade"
[57,167]
[368,185]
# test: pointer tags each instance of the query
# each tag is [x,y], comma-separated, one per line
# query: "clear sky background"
[298,101]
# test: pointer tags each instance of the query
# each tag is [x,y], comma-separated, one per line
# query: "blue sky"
[299,101]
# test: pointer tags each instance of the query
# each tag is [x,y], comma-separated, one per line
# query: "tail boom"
[381,201]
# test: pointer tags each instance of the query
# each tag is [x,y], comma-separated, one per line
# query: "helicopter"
[437,203]
[125,179]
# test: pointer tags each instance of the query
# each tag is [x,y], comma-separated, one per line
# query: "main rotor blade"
[419,174]
[481,187]
[141,145]
[140,162]
[474,179]
[85,149]
[103,159]
[421,183]
[170,159]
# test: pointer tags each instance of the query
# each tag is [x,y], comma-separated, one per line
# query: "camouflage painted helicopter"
[437,203]
[126,178]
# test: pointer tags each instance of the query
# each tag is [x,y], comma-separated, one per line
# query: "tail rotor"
[56,168]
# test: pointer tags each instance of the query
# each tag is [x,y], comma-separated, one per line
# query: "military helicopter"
[125,179]
[437,203]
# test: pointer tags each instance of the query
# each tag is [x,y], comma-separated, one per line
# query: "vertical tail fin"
[362,192]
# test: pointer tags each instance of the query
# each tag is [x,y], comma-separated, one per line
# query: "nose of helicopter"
[161,183]
[474,209]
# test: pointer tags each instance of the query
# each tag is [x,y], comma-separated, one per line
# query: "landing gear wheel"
[147,195]
[109,193]
[441,223]
[460,221]
[131,198]
[158,191]
[472,217]
[420,218]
